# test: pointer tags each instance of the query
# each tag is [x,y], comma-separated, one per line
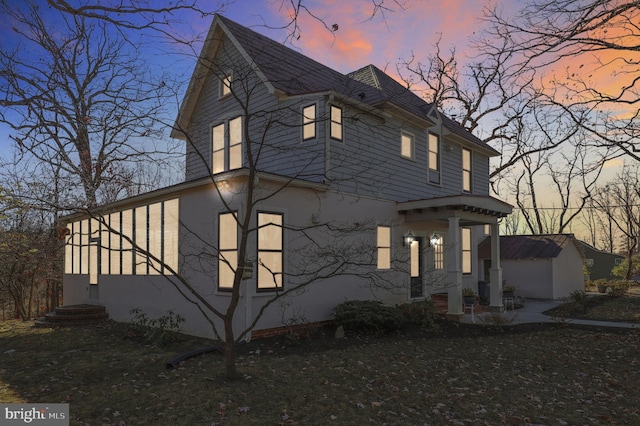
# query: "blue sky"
[361,38]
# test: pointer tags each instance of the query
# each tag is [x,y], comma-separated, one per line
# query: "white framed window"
[225,84]
[115,250]
[438,254]
[217,141]
[384,247]
[127,248]
[336,123]
[226,144]
[466,250]
[309,122]
[235,143]
[116,244]
[140,233]
[270,251]
[434,158]
[466,170]
[94,251]
[407,145]
[84,247]
[227,250]
[68,250]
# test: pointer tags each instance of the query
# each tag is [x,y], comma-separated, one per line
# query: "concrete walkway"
[532,312]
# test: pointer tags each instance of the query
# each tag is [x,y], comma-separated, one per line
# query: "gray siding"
[367,162]
[274,126]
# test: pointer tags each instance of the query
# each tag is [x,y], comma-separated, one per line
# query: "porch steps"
[441,302]
[73,315]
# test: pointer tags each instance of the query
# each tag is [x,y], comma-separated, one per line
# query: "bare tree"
[619,200]
[594,42]
[273,162]
[78,97]
[29,257]
[506,94]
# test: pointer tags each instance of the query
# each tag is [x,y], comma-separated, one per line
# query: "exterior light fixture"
[408,239]
[434,240]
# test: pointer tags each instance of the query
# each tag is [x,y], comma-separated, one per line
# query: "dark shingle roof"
[293,73]
[528,246]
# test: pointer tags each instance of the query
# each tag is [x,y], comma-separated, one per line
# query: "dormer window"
[466,170]
[336,123]
[407,145]
[309,122]
[225,85]
[434,158]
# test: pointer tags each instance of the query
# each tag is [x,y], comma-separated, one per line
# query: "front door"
[415,268]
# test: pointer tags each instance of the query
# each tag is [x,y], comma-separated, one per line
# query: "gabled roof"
[586,247]
[513,247]
[401,96]
[287,72]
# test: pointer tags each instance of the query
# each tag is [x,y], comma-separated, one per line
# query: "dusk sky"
[384,39]
[361,39]
[390,35]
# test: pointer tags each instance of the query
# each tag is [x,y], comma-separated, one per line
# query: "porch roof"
[473,207]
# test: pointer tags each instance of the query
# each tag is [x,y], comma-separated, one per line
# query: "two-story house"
[318,187]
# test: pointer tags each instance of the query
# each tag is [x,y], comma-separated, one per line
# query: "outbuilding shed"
[539,266]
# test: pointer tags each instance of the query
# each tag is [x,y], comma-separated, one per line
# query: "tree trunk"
[231,372]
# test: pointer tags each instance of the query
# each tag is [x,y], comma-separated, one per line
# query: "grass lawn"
[549,374]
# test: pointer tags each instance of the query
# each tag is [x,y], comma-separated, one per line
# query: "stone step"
[57,317]
[79,309]
[73,315]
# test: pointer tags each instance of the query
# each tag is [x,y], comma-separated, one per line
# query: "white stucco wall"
[568,274]
[532,278]
[302,207]
[551,278]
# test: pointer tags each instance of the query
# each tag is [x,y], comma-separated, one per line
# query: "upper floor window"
[434,158]
[384,247]
[227,145]
[466,250]
[407,145]
[270,251]
[466,170]
[227,250]
[336,123]
[309,122]
[225,85]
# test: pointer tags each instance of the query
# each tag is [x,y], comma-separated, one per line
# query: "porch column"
[495,272]
[454,270]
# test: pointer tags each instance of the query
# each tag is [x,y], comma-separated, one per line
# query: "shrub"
[422,313]
[368,317]
[618,288]
[158,331]
[578,296]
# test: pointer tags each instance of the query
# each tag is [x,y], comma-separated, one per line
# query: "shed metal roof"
[514,247]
